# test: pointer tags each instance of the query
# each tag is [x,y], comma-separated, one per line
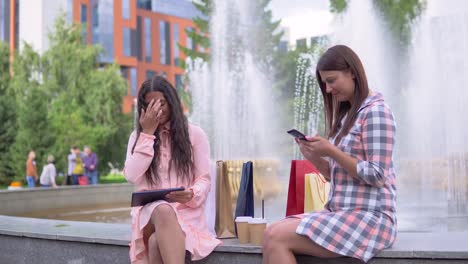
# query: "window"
[127,46]
[139,47]
[5,20]
[2,20]
[17,26]
[150,74]
[164,41]
[133,81]
[148,39]
[176,47]
[190,43]
[144,4]
[69,11]
[105,29]
[178,82]
[95,23]
[83,20]
[126,9]
[130,47]
[163,74]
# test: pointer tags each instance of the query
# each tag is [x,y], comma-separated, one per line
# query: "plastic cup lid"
[243,219]
[257,221]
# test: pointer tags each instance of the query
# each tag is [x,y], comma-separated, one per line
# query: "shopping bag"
[83,180]
[316,192]
[224,222]
[245,198]
[295,203]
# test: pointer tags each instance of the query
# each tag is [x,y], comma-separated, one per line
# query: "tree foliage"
[63,98]
[199,38]
[7,115]
[338,6]
[399,15]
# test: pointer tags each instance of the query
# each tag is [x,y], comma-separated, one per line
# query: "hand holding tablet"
[144,197]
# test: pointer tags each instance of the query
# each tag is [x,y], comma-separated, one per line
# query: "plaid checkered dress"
[359,217]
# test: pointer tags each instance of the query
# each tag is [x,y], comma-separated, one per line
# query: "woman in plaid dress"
[359,218]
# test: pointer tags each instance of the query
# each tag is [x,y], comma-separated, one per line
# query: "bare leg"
[153,250]
[281,243]
[169,236]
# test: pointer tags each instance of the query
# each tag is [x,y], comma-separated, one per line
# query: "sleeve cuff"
[196,196]
[146,136]
[360,168]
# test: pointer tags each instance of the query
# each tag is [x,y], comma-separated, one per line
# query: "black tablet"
[144,197]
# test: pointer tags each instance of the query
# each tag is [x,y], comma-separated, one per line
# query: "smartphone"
[295,133]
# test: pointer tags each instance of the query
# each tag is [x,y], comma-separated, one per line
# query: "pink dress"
[191,216]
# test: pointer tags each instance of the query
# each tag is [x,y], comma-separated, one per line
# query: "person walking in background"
[31,170]
[71,166]
[49,173]
[76,158]
[90,162]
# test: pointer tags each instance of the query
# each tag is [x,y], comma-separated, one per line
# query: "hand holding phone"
[295,133]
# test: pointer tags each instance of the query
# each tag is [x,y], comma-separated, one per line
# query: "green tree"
[265,43]
[200,38]
[338,6]
[67,99]
[266,39]
[33,131]
[267,35]
[7,116]
[399,15]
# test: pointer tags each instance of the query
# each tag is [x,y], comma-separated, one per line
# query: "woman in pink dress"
[165,152]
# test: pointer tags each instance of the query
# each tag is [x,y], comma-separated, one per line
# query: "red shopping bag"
[299,168]
[83,180]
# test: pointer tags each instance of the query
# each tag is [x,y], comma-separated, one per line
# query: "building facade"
[9,29]
[139,35]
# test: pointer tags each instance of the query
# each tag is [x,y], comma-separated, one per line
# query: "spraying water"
[308,102]
[233,98]
[426,93]
[436,101]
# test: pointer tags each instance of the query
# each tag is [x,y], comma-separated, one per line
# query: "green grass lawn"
[112,178]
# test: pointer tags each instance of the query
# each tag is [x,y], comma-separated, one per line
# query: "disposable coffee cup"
[257,227]
[242,224]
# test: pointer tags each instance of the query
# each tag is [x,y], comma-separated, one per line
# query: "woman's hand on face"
[315,147]
[150,118]
[180,196]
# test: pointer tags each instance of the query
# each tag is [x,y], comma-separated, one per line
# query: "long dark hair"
[181,146]
[342,58]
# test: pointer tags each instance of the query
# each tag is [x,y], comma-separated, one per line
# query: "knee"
[270,238]
[163,215]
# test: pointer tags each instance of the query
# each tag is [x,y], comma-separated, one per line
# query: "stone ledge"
[442,246]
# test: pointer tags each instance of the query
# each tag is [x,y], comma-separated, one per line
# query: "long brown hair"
[342,58]
[181,147]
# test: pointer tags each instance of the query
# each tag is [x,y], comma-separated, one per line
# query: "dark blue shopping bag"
[245,199]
